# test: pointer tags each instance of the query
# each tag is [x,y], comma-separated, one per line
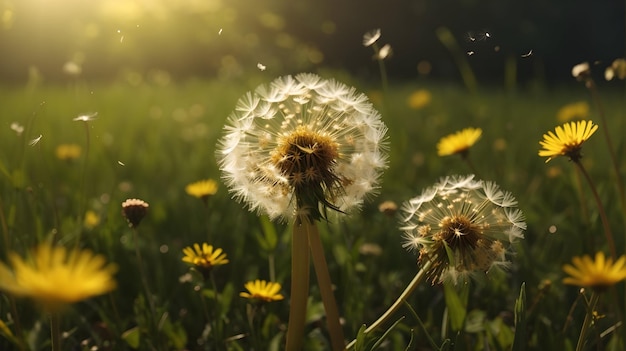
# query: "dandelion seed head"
[302,144]
[462,225]
[86,117]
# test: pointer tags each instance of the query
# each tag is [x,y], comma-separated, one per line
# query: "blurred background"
[56,40]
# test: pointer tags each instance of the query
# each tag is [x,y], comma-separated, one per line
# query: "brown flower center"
[460,233]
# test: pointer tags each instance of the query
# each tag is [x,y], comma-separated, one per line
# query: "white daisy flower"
[302,145]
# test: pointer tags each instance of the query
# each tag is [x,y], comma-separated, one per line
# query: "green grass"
[150,140]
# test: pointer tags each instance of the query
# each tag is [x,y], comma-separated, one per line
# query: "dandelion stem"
[144,281]
[470,164]
[299,285]
[593,89]
[419,277]
[605,221]
[588,321]
[326,290]
[55,331]
[381,67]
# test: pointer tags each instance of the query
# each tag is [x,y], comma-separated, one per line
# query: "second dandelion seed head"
[462,225]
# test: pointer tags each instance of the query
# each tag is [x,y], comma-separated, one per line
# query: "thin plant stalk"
[419,277]
[83,200]
[326,290]
[55,331]
[593,301]
[381,67]
[605,222]
[144,281]
[470,164]
[593,89]
[299,285]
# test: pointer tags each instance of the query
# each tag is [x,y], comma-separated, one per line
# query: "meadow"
[148,139]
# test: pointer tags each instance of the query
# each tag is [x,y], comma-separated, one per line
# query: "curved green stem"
[588,321]
[299,285]
[326,289]
[605,222]
[55,331]
[419,277]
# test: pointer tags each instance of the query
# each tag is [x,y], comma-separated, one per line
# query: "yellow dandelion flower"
[567,141]
[204,257]
[598,274]
[56,277]
[419,99]
[576,110]
[68,152]
[91,219]
[202,189]
[262,290]
[459,142]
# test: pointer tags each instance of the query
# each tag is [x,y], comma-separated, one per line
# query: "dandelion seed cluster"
[301,145]
[462,225]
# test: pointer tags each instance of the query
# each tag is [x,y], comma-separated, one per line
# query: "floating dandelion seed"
[462,226]
[35,141]
[470,53]
[303,144]
[371,37]
[528,54]
[86,117]
[581,70]
[121,163]
[219,32]
[260,66]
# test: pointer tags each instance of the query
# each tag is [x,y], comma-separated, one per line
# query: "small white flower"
[86,117]
[302,144]
[371,37]
[384,52]
[580,69]
[17,128]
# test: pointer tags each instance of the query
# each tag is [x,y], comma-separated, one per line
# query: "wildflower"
[204,257]
[576,110]
[134,210]
[581,71]
[384,52]
[567,141]
[389,208]
[459,142]
[262,290]
[202,189]
[302,145]
[371,37]
[617,68]
[17,128]
[598,274]
[91,219]
[56,277]
[68,152]
[462,226]
[419,99]
[86,117]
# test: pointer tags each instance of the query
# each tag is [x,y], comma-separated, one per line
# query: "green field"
[152,138]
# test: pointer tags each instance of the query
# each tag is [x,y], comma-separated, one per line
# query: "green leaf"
[519,343]
[131,336]
[382,338]
[269,231]
[456,306]
[360,339]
